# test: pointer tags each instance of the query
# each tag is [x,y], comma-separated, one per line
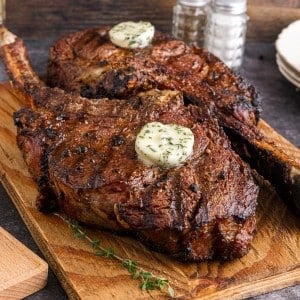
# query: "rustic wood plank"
[266,22]
[38,18]
[21,271]
[272,263]
[277,3]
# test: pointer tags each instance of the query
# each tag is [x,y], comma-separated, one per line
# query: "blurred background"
[36,19]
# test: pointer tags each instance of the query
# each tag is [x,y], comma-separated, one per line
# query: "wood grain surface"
[272,263]
[21,271]
[39,18]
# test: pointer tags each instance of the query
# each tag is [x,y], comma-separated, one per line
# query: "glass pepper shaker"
[189,18]
[225,31]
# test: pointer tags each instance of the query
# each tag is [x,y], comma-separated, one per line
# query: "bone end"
[6,37]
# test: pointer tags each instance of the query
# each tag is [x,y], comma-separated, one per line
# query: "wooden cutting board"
[272,263]
[21,271]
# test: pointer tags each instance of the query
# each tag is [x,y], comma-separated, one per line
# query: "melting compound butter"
[132,35]
[164,145]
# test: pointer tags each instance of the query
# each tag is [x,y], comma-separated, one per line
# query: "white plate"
[295,76]
[286,72]
[288,45]
[292,70]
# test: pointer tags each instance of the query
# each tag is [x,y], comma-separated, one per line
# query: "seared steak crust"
[81,154]
[88,63]
[200,210]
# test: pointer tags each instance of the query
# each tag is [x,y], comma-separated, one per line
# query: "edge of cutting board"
[22,272]
[274,253]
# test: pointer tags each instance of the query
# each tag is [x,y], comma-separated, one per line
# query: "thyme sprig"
[148,281]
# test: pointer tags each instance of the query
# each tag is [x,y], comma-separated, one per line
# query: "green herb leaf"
[129,265]
[95,243]
[148,281]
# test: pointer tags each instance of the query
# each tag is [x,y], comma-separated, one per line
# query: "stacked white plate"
[288,53]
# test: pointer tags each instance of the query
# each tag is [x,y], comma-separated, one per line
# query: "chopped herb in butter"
[132,34]
[164,145]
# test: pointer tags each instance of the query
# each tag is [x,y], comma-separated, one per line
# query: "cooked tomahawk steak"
[88,63]
[81,152]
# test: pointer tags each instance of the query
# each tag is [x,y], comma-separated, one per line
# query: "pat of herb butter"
[164,145]
[132,34]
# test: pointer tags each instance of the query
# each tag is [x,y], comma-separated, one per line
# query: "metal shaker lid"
[193,2]
[232,6]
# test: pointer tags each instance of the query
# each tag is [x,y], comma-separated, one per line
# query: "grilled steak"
[88,63]
[82,151]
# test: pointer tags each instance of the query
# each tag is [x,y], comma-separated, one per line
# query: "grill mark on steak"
[171,64]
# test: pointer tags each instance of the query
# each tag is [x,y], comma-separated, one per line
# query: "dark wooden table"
[40,24]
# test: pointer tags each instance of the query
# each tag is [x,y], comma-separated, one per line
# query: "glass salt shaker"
[189,18]
[225,31]
[2,12]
